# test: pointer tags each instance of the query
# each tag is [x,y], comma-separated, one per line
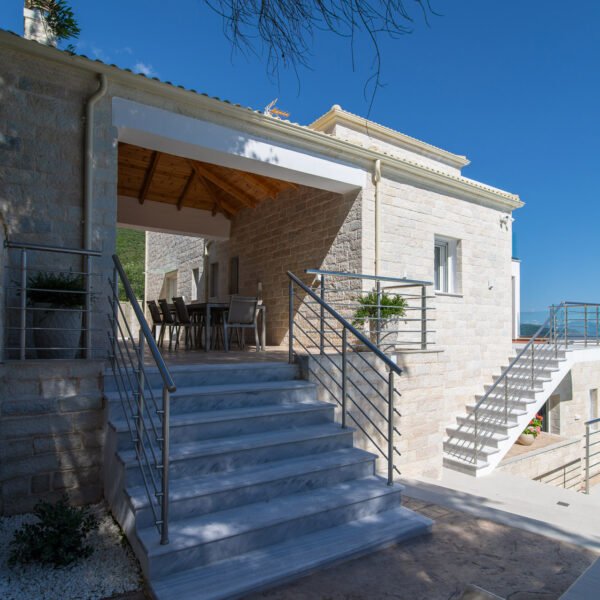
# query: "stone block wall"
[165,253]
[301,229]
[51,433]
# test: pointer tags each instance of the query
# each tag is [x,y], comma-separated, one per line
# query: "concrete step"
[515,409]
[465,449]
[292,558]
[211,374]
[226,454]
[195,496]
[218,536]
[234,395]
[488,437]
[521,390]
[203,425]
[467,467]
[493,423]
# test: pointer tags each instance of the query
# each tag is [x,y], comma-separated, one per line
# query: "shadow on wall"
[301,229]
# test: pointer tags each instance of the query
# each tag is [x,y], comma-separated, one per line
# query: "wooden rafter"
[227,187]
[149,176]
[226,208]
[186,189]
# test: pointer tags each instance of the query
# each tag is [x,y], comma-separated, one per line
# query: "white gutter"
[88,161]
[376,180]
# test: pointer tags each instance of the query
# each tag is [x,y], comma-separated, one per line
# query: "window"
[169,286]
[444,269]
[214,280]
[593,412]
[196,284]
[234,275]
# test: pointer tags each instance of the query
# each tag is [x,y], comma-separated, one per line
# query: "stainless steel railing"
[42,329]
[396,313]
[147,416]
[349,372]
[569,325]
[592,452]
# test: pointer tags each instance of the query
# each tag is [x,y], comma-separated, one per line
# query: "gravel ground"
[111,569]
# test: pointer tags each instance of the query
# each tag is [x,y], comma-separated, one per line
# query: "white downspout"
[376,180]
[88,205]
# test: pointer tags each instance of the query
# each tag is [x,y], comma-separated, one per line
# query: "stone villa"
[238,201]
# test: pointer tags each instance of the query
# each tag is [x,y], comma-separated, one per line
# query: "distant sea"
[534,317]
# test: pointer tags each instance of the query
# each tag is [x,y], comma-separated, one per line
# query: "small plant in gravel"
[57,538]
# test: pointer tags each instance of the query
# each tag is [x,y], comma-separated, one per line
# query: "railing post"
[476,441]
[554,332]
[344,380]
[164,530]
[585,325]
[423,318]
[532,364]
[88,308]
[322,318]
[390,480]
[115,293]
[566,327]
[23,307]
[291,323]
[140,392]
[506,400]
[378,287]
[587,459]
[597,325]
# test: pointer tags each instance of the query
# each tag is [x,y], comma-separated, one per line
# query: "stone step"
[211,374]
[216,397]
[487,437]
[464,466]
[195,496]
[203,425]
[521,390]
[465,449]
[498,404]
[218,536]
[260,569]
[226,454]
[493,423]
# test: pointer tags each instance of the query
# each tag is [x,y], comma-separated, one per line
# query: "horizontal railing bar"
[46,248]
[369,277]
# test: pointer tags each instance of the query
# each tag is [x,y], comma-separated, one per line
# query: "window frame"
[445,275]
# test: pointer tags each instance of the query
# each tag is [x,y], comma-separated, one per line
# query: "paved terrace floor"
[201,357]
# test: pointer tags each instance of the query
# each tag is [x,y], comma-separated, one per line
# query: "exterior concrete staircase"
[264,487]
[477,445]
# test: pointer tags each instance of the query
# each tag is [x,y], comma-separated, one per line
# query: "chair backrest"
[181,310]
[242,310]
[166,311]
[154,312]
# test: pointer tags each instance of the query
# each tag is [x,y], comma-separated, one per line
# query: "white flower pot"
[57,329]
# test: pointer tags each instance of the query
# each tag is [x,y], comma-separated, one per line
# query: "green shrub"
[391,306]
[61,289]
[57,538]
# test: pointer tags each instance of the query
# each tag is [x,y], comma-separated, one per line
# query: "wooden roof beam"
[217,180]
[226,208]
[186,189]
[149,176]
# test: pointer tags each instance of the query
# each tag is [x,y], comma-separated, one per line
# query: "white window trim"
[450,249]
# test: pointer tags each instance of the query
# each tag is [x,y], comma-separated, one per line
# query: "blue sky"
[513,85]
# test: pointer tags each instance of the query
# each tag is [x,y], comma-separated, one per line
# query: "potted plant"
[531,431]
[366,317]
[58,299]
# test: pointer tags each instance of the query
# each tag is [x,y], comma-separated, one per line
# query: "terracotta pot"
[525,439]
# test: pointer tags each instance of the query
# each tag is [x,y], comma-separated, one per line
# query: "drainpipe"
[88,205]
[376,180]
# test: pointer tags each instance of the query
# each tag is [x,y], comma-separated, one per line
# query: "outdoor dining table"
[208,308]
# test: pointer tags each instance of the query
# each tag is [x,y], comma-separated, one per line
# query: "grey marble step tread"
[187,533]
[189,487]
[228,388]
[230,414]
[234,366]
[266,567]
[216,446]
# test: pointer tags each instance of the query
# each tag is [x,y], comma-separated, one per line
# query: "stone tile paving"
[511,563]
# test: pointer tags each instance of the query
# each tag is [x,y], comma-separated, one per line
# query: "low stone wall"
[558,464]
[51,432]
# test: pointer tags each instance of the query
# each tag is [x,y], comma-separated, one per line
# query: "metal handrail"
[588,453]
[144,437]
[87,255]
[347,329]
[411,282]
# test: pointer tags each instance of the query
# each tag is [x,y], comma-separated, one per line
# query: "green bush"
[391,306]
[57,289]
[58,538]
[131,249]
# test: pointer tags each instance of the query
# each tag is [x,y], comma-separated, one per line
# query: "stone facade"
[51,433]
[179,254]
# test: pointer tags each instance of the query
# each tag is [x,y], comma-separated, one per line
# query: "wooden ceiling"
[150,175]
